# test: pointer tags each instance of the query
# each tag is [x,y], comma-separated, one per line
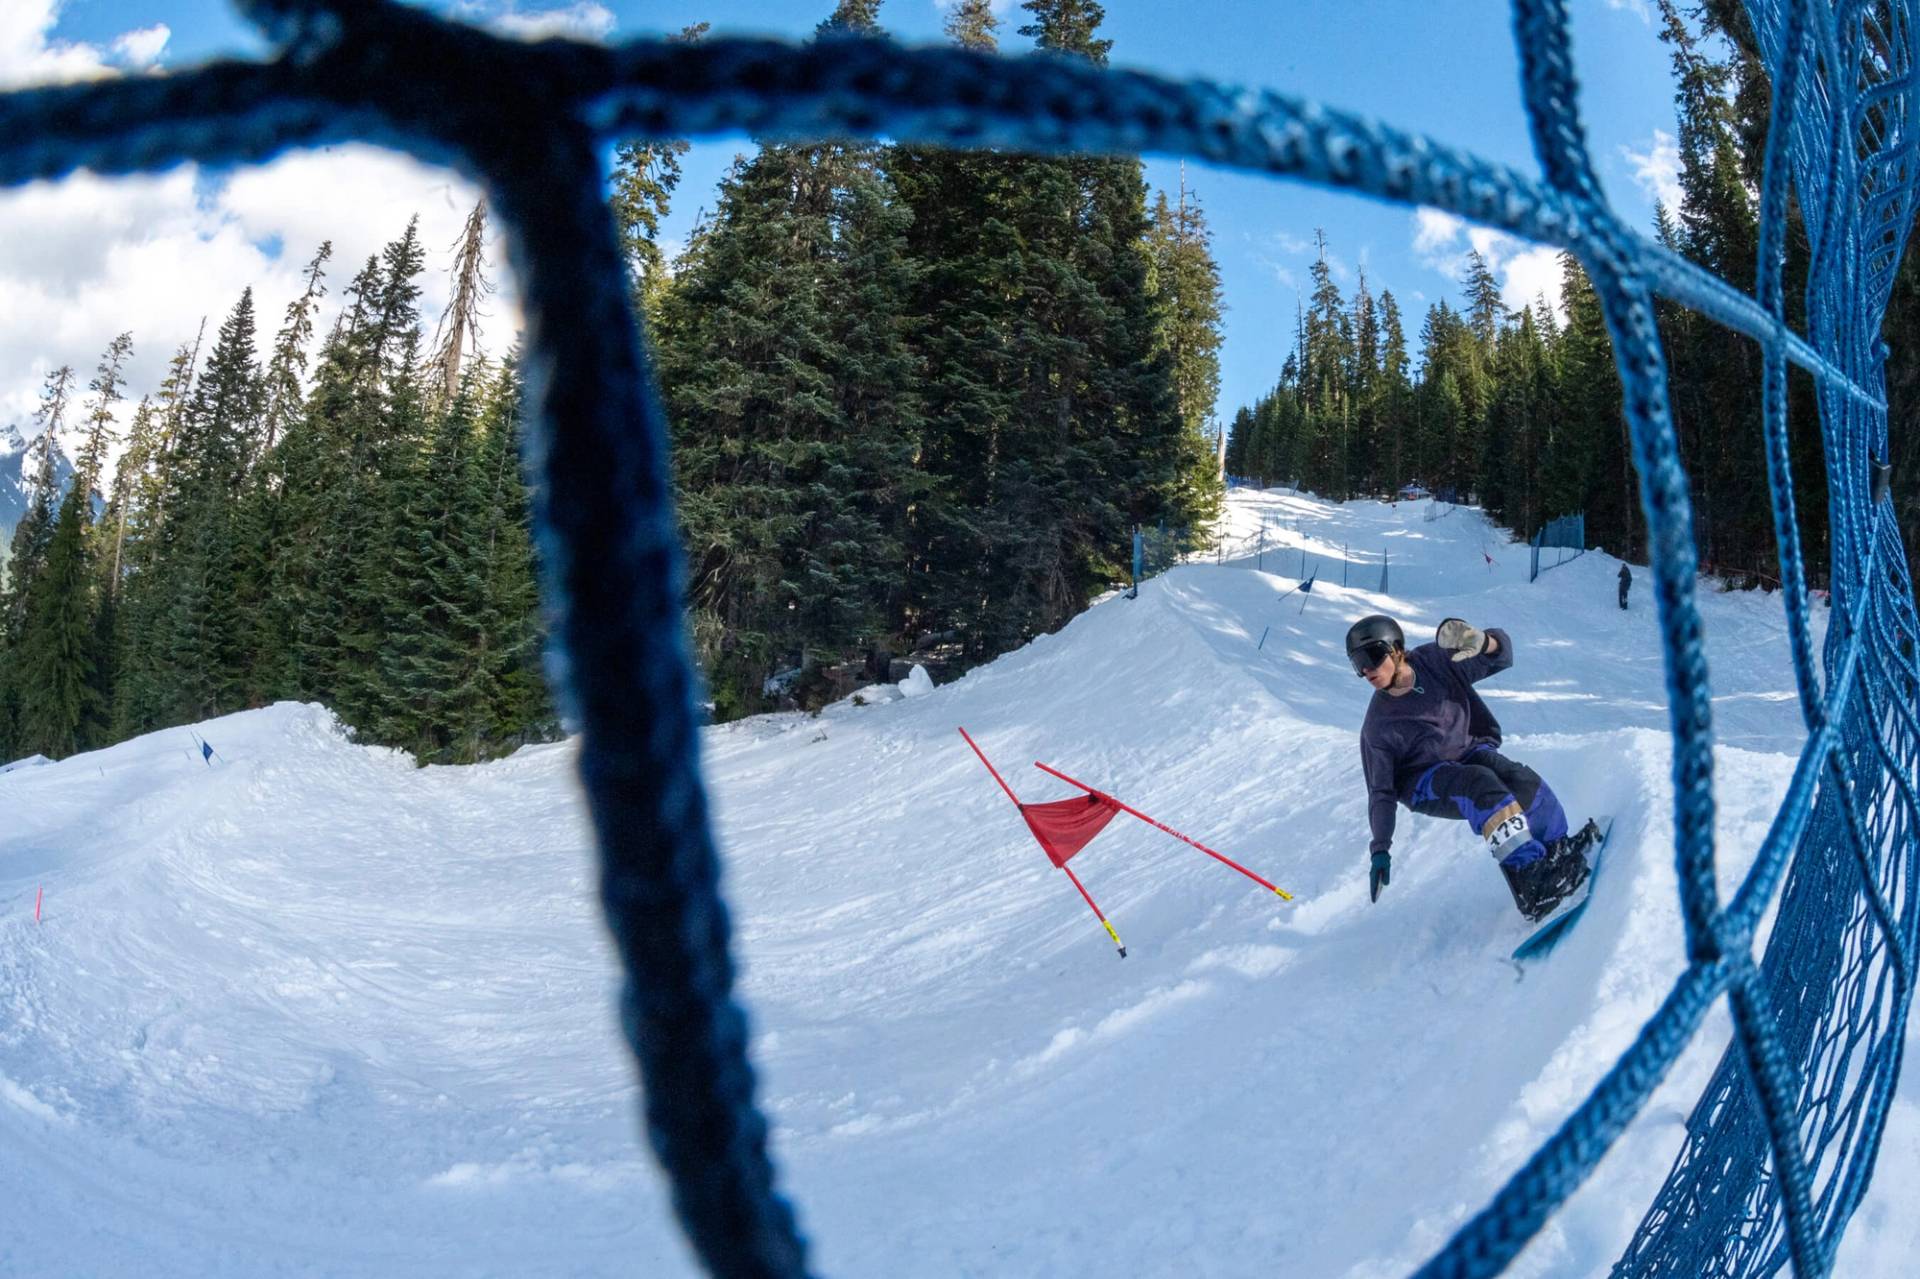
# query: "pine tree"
[190,606]
[1396,406]
[58,703]
[852,17]
[745,353]
[645,176]
[965,316]
[1364,453]
[1715,371]
[459,330]
[1485,310]
[35,529]
[27,555]
[522,706]
[288,363]
[1324,381]
[1186,280]
[876,375]
[1590,461]
[135,518]
[106,387]
[324,462]
[1067,27]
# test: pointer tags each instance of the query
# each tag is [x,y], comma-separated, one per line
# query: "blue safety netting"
[1566,533]
[1780,1147]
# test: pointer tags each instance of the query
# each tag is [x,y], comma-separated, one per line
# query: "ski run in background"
[305,1009]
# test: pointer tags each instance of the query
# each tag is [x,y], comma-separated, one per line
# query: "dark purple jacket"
[1439,721]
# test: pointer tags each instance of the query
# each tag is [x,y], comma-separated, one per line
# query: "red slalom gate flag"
[1063,828]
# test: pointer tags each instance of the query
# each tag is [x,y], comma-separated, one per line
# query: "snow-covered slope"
[309,1010]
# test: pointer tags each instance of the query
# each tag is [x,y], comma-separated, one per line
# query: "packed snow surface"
[305,1009]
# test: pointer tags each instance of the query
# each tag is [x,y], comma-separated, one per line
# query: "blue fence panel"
[1568,532]
[1780,1146]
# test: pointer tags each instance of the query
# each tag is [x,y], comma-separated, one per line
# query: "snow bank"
[312,1010]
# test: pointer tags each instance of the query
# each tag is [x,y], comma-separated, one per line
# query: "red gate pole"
[1098,914]
[1284,895]
[1104,922]
[990,768]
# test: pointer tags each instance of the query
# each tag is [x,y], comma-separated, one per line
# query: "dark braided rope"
[247,112]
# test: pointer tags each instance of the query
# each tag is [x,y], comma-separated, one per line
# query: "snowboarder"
[1430,743]
[1626,580]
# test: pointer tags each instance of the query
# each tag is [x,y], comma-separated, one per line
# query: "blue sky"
[1445,68]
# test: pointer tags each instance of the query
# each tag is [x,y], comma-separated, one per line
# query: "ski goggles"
[1369,655]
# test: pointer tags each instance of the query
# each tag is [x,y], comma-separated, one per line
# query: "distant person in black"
[1430,743]
[1626,580]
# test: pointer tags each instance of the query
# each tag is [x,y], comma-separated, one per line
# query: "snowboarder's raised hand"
[1381,872]
[1460,639]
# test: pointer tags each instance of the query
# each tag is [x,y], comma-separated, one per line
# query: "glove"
[1460,639]
[1380,874]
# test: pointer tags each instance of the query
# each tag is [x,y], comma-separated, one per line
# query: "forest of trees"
[363,543]
[918,398]
[915,395]
[1521,410]
[1514,410]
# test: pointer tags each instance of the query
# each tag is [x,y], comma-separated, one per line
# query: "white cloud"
[28,54]
[142,48]
[1531,275]
[1280,272]
[1434,229]
[86,258]
[1526,271]
[1640,8]
[1657,169]
[582,20]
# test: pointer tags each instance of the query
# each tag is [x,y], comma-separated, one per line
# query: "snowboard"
[1548,932]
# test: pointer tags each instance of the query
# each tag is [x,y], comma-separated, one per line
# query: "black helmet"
[1373,639]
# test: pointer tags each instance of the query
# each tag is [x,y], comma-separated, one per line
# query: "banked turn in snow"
[310,1010]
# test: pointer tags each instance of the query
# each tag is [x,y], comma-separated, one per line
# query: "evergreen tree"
[1716,372]
[324,464]
[27,554]
[645,176]
[57,701]
[459,330]
[189,600]
[965,318]
[1485,310]
[1068,26]
[1324,381]
[35,529]
[1396,409]
[1187,282]
[106,387]
[746,357]
[1588,457]
[522,709]
[852,17]
[288,363]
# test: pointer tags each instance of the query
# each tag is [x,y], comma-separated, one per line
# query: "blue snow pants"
[1481,784]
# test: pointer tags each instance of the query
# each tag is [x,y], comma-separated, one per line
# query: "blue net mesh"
[1781,1144]
[1567,533]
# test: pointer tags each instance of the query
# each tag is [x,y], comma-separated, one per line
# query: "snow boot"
[1544,882]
